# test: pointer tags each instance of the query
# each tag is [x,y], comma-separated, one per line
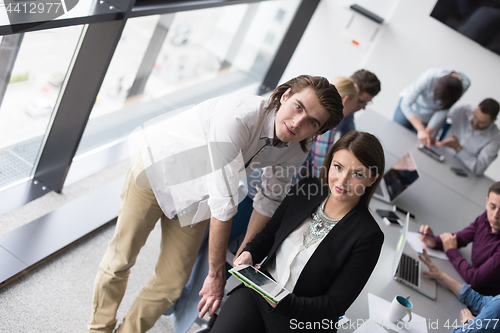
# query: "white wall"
[409,42]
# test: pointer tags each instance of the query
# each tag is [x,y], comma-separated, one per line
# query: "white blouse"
[292,256]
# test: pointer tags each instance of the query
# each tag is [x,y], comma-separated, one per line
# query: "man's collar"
[490,232]
[268,131]
[496,233]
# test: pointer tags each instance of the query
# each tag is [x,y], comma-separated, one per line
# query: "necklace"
[319,227]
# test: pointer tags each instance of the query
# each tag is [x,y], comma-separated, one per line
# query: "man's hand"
[449,241]
[211,293]
[451,142]
[244,258]
[213,287]
[433,272]
[429,241]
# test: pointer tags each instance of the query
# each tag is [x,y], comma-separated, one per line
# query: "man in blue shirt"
[474,136]
[487,307]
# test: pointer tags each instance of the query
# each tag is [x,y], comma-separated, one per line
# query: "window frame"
[81,86]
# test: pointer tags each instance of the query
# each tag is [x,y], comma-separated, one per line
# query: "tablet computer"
[260,282]
[430,152]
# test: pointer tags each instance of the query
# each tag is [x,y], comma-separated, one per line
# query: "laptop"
[407,267]
[395,181]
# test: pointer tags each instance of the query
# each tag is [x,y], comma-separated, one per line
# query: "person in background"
[484,233]
[473,135]
[322,244]
[425,102]
[368,86]
[486,307]
[227,137]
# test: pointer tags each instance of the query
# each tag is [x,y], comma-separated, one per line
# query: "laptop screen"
[401,175]
[401,244]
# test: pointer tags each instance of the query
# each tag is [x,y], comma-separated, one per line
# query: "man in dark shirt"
[484,233]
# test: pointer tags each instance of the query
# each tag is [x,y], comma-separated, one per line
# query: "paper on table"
[417,245]
[370,326]
[378,308]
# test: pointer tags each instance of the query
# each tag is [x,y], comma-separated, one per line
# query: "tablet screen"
[262,281]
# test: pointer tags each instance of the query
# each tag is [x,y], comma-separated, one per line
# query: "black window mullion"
[288,45]
[148,61]
[75,103]
[9,48]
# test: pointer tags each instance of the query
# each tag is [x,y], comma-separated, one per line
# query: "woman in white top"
[322,244]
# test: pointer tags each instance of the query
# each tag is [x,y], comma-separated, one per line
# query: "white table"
[440,198]
[398,140]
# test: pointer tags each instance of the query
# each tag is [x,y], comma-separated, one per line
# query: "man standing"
[484,233]
[474,135]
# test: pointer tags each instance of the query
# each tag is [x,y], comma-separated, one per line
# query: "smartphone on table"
[388,216]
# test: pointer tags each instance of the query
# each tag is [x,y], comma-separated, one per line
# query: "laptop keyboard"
[408,269]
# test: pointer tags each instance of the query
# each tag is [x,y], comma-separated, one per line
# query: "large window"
[77,87]
[37,62]
[74,88]
[169,61]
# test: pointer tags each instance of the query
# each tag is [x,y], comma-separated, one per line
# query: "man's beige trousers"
[138,215]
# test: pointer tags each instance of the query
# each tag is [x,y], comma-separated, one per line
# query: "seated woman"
[322,244]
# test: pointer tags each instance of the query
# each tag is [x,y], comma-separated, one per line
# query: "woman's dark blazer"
[338,269]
